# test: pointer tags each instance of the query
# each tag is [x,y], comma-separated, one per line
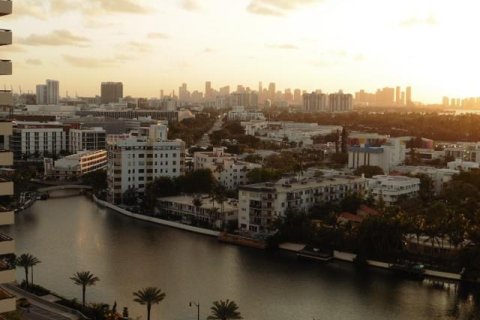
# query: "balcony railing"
[5,67]
[5,37]
[5,7]
[6,187]
[6,158]
[7,216]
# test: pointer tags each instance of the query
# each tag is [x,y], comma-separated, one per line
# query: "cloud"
[142,47]
[285,46]
[29,8]
[414,21]
[55,38]
[277,7]
[122,6]
[63,6]
[87,62]
[190,5]
[34,62]
[157,35]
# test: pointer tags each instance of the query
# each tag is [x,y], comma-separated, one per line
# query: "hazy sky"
[431,45]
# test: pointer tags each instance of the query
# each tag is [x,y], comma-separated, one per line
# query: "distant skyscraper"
[183,93]
[340,102]
[41,91]
[53,93]
[315,102]
[409,96]
[208,90]
[271,91]
[446,102]
[111,92]
[398,93]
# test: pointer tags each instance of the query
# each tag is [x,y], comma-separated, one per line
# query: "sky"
[330,45]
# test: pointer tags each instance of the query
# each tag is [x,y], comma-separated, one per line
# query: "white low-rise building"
[218,214]
[87,139]
[393,188]
[460,164]
[76,165]
[226,168]
[260,205]
[139,158]
[440,176]
[239,113]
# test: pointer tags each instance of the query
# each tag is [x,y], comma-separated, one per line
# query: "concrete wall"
[157,220]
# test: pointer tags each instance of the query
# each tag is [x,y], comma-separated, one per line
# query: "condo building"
[136,159]
[263,203]
[7,244]
[87,139]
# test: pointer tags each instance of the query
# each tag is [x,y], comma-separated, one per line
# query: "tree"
[258,175]
[26,261]
[149,296]
[197,203]
[84,279]
[96,179]
[34,262]
[224,310]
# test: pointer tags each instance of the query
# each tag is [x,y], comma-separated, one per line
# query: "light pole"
[198,308]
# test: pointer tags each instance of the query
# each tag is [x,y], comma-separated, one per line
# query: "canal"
[72,234]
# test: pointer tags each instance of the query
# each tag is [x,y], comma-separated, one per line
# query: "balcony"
[7,244]
[6,67]
[7,302]
[6,98]
[7,216]
[5,7]
[6,158]
[5,37]
[6,187]
[6,128]
[7,268]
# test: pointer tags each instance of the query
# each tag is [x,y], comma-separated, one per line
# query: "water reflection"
[72,234]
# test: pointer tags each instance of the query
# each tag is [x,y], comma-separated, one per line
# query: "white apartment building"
[213,212]
[439,176]
[261,204]
[467,151]
[7,244]
[37,139]
[321,102]
[390,154]
[226,168]
[391,188]
[139,158]
[76,165]
[461,165]
[239,113]
[87,139]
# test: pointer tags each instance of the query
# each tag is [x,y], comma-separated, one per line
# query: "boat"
[315,254]
[412,270]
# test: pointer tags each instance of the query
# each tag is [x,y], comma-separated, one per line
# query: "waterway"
[72,234]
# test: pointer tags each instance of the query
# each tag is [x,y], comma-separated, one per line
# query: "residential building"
[340,102]
[53,92]
[217,214]
[239,113]
[38,139]
[393,188]
[440,176]
[138,158]
[315,102]
[75,165]
[7,244]
[260,205]
[226,168]
[41,91]
[467,151]
[111,92]
[87,139]
[459,164]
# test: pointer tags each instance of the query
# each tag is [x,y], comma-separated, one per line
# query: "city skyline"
[297,44]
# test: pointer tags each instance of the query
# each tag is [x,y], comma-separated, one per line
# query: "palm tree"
[34,262]
[149,296]
[197,203]
[26,261]
[84,279]
[224,310]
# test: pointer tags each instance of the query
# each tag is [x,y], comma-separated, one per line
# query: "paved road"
[205,140]
[37,313]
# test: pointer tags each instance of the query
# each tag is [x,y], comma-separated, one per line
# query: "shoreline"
[337,255]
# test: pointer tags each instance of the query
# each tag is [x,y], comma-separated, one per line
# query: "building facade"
[111,92]
[392,188]
[87,139]
[53,92]
[226,168]
[36,139]
[75,165]
[263,203]
[139,158]
[7,244]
